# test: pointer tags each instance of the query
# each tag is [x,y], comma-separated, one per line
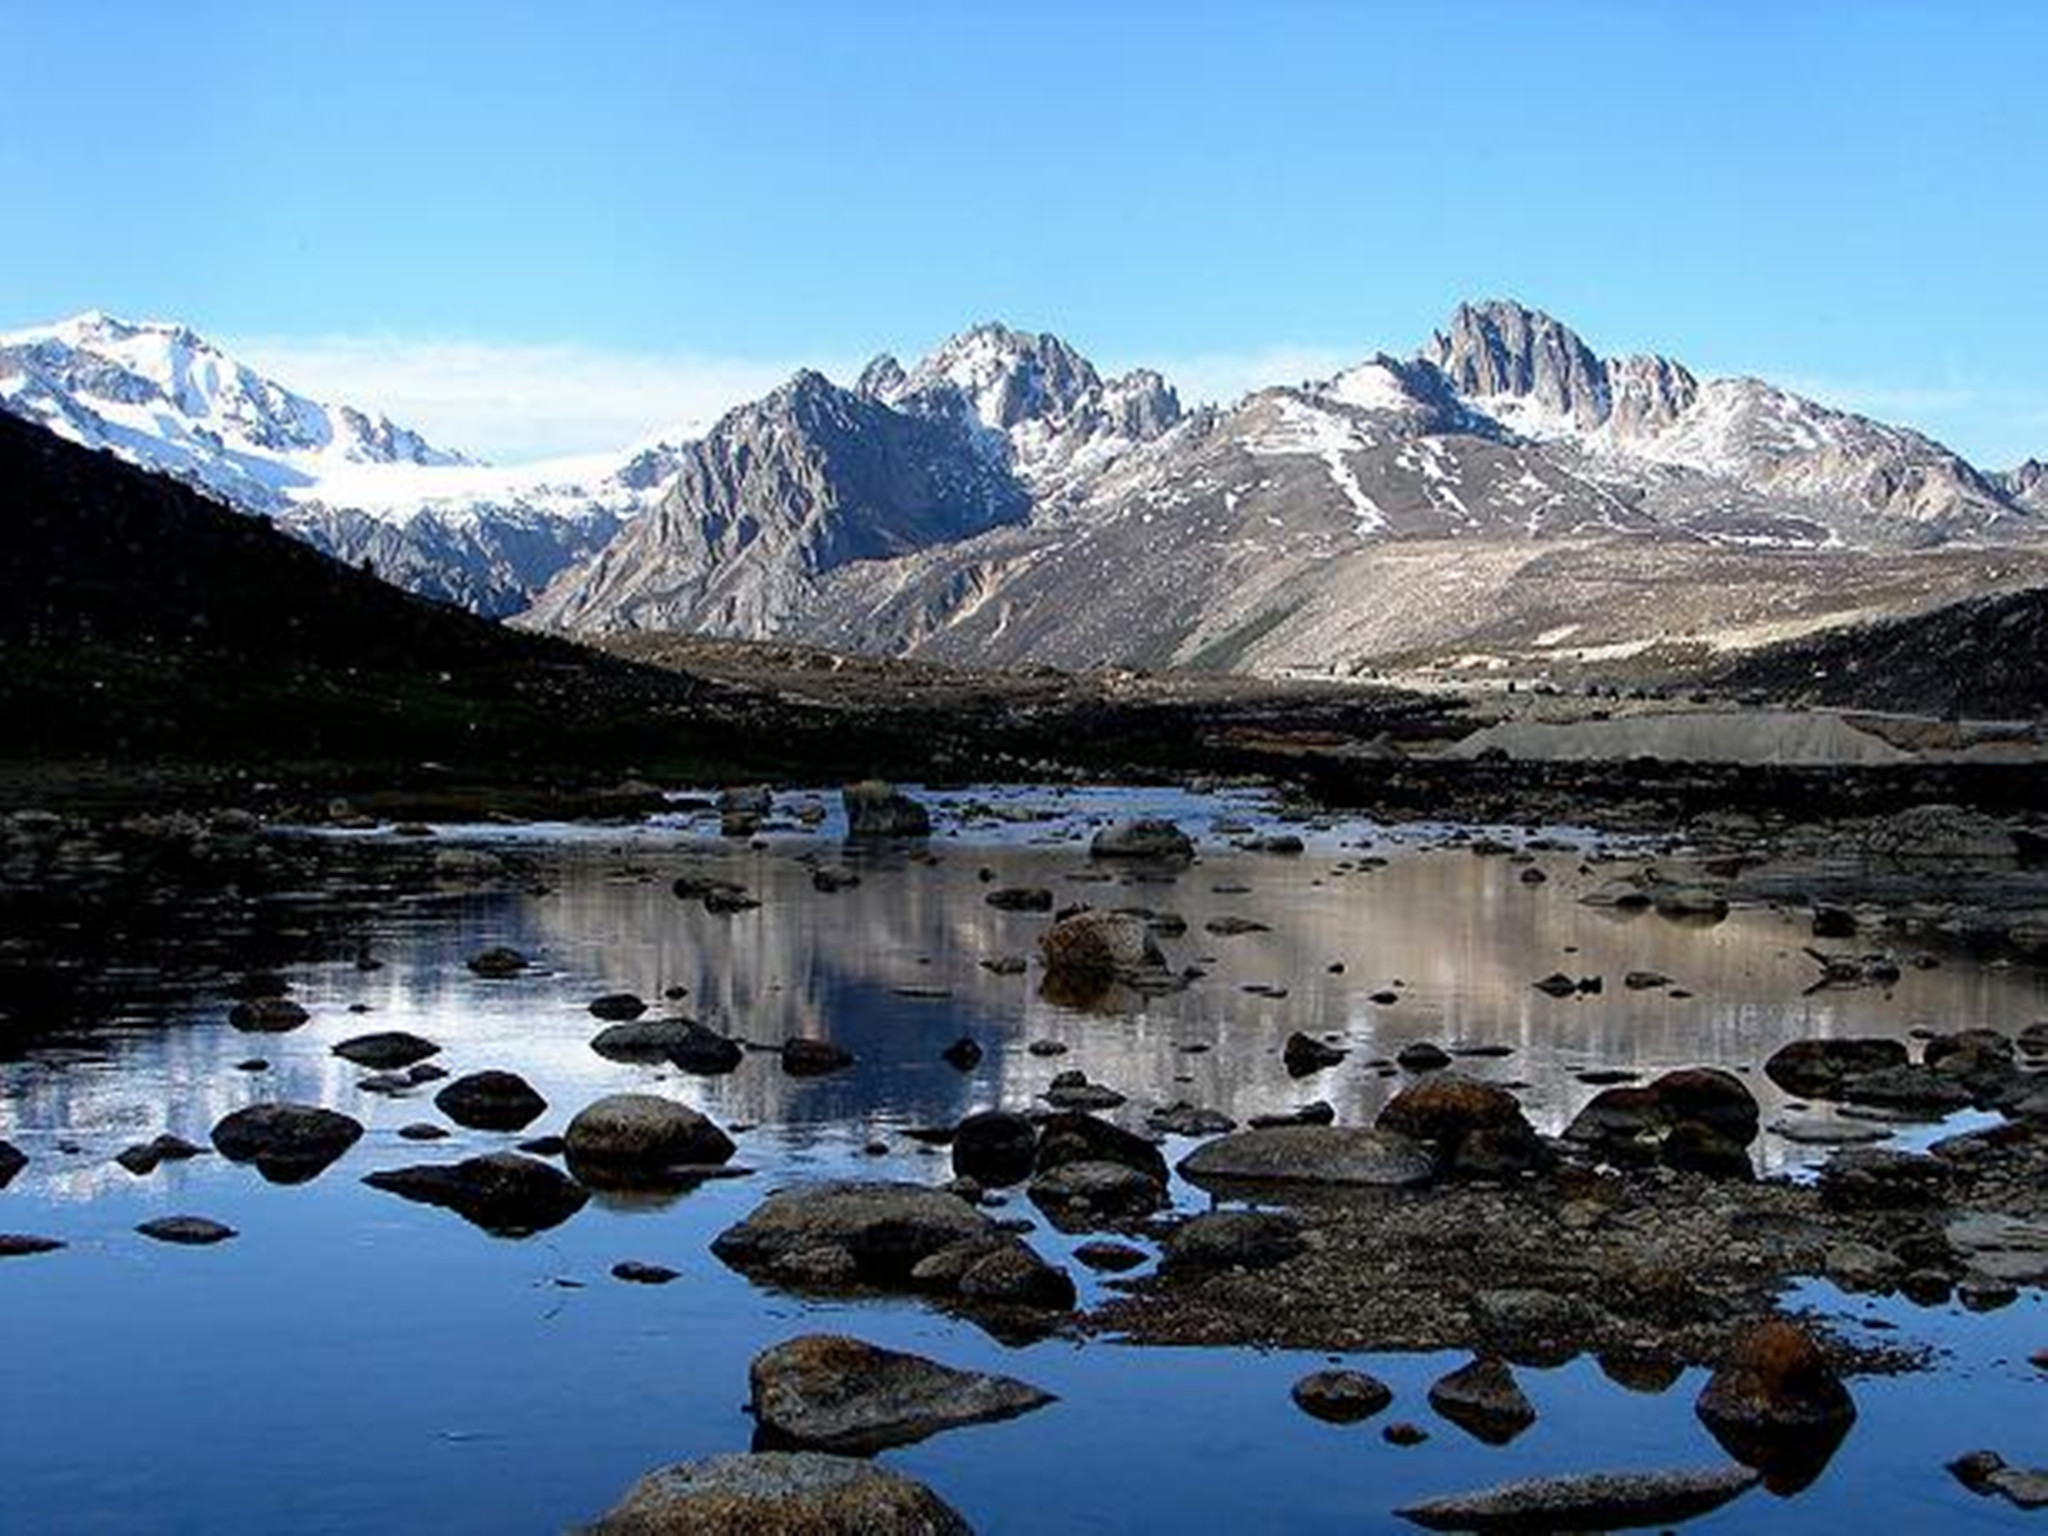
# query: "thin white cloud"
[515,404]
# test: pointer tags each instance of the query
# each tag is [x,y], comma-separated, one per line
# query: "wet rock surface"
[1484,1400]
[1776,1403]
[1146,838]
[386,1051]
[1341,1397]
[891,1237]
[1309,1154]
[1593,1501]
[1575,1259]
[491,1101]
[877,810]
[267,1015]
[144,1158]
[827,1392]
[186,1231]
[995,1147]
[637,1140]
[505,1193]
[1986,1473]
[779,1493]
[288,1143]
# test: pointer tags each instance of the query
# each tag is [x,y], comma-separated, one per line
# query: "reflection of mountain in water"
[1463,935]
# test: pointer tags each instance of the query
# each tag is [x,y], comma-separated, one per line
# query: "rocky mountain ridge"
[1002,501]
[1391,511]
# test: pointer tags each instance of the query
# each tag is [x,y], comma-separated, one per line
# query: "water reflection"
[392,1369]
[891,970]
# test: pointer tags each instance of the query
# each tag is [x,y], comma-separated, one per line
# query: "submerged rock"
[386,1051]
[1072,1090]
[803,1057]
[1012,898]
[1309,1154]
[267,1015]
[504,1193]
[1986,1472]
[1095,949]
[1110,1257]
[1776,1404]
[1316,1112]
[1341,1397]
[618,1007]
[875,809]
[827,1392]
[144,1158]
[634,1272]
[1915,1089]
[491,1101]
[889,1236]
[779,1493]
[1304,1054]
[498,962]
[1185,1119]
[1592,1501]
[640,1140]
[288,1143]
[1484,1400]
[1817,1069]
[1423,1056]
[995,1147]
[186,1231]
[690,1045]
[1144,838]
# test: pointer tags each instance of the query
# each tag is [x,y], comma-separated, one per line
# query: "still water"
[352,1362]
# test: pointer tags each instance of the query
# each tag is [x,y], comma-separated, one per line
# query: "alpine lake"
[354,1361]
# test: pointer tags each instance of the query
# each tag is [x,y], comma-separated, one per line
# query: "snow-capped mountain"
[1002,500]
[1403,503]
[1740,441]
[164,398]
[1038,407]
[349,481]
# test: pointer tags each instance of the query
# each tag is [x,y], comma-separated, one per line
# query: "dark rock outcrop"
[504,1193]
[779,1493]
[826,1392]
[288,1143]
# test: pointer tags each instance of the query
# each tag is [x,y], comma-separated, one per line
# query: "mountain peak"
[1502,347]
[1007,376]
[182,405]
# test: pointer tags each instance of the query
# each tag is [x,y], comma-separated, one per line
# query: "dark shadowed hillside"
[141,623]
[1986,658]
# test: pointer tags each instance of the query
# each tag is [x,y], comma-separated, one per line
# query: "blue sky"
[528,225]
